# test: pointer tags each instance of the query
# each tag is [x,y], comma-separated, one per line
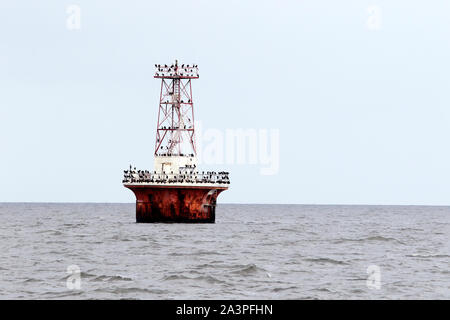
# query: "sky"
[357,94]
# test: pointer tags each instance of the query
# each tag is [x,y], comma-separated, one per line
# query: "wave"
[323,290]
[75,225]
[139,290]
[248,269]
[367,239]
[284,289]
[135,290]
[207,278]
[426,256]
[62,295]
[326,260]
[120,238]
[31,280]
[51,232]
[175,277]
[212,264]
[206,253]
[357,279]
[112,278]
[196,253]
[103,277]
[381,238]
[288,230]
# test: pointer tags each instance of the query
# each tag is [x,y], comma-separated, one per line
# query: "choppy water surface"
[251,252]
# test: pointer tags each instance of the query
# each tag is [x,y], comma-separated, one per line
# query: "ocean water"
[251,252]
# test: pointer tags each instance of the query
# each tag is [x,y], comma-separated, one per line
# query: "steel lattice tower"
[175,132]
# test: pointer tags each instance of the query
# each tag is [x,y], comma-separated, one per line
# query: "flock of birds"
[145,176]
[168,154]
[174,70]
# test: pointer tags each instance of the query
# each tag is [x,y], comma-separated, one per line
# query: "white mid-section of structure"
[172,164]
[176,171]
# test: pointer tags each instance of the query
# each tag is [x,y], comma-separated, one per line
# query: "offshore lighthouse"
[175,191]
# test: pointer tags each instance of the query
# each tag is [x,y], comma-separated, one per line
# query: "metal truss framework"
[175,132]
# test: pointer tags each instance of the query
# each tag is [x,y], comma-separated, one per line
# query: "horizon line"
[234,203]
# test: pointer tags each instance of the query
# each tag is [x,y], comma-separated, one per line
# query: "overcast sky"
[359,92]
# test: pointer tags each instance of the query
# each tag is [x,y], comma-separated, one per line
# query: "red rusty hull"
[175,204]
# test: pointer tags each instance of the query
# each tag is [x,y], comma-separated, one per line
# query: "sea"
[98,251]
